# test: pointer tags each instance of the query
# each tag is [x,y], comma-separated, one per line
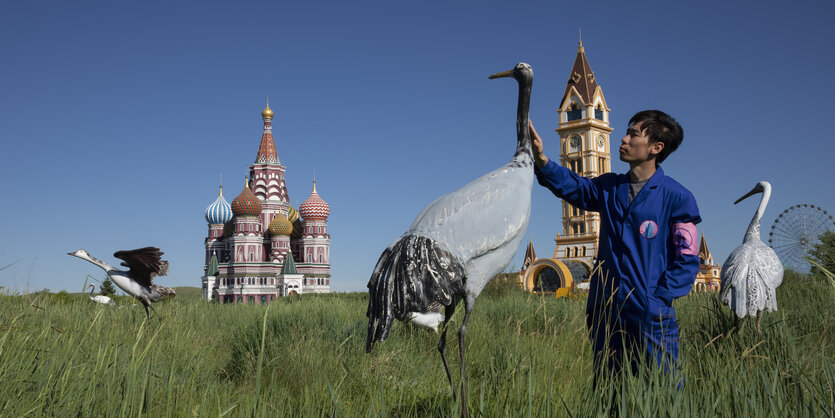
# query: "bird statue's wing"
[749,279]
[482,216]
[144,264]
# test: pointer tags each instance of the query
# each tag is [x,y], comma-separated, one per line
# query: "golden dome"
[280,225]
[267,112]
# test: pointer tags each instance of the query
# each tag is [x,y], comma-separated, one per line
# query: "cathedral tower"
[584,148]
[267,175]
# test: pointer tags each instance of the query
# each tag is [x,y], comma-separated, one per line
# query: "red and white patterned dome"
[314,207]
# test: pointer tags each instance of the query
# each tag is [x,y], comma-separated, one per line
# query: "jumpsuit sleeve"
[580,191]
[684,247]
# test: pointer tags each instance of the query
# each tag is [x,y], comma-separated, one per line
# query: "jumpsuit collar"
[623,189]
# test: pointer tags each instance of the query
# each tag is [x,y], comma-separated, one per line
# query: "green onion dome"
[292,214]
[246,204]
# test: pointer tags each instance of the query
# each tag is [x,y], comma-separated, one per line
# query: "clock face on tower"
[601,143]
[574,142]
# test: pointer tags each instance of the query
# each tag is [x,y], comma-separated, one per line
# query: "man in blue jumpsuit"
[647,254]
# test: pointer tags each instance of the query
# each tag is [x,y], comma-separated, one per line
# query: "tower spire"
[266,151]
[582,78]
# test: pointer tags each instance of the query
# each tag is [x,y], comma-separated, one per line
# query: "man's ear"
[655,148]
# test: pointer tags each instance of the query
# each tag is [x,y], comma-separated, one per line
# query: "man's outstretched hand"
[538,149]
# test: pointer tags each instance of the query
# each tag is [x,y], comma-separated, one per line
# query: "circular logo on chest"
[649,229]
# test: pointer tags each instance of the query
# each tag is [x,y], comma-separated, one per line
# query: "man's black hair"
[660,127]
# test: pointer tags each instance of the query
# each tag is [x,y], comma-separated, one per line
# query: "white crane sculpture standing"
[457,244]
[752,273]
[144,264]
[100,299]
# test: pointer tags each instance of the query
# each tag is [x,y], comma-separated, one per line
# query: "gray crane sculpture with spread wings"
[752,273]
[457,244]
[144,264]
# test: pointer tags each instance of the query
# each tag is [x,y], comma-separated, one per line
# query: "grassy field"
[304,356]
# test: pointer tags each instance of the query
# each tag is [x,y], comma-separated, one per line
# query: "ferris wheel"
[795,232]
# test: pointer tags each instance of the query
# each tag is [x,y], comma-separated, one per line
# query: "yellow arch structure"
[540,264]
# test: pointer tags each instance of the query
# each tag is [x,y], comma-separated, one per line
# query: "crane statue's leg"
[448,311]
[469,301]
[759,320]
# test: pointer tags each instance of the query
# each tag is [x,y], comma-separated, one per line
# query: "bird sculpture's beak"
[507,73]
[757,189]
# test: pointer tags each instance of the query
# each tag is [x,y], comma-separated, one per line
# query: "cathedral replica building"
[259,247]
[583,126]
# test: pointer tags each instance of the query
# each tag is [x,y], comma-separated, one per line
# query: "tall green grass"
[528,355]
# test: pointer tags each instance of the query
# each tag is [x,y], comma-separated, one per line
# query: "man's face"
[635,146]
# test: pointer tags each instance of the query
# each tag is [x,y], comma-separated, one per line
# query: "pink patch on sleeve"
[684,238]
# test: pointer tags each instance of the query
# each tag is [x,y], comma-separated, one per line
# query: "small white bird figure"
[457,243]
[100,299]
[752,273]
[144,264]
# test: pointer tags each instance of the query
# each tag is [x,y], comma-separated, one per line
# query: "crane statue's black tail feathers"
[410,276]
[163,291]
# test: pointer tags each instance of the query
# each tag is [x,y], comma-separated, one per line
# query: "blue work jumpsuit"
[647,256]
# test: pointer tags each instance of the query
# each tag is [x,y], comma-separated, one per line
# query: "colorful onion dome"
[280,225]
[246,204]
[314,207]
[267,112]
[292,214]
[220,211]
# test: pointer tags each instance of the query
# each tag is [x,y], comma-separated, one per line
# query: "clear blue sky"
[117,119]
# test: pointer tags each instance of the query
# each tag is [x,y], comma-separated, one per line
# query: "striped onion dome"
[246,204]
[314,207]
[280,225]
[292,214]
[220,211]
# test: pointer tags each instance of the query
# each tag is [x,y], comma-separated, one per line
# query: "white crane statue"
[457,244]
[752,273]
[144,264]
[100,299]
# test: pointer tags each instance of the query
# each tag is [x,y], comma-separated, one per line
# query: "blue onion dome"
[220,211]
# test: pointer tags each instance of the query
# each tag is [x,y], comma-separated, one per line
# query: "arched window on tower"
[598,112]
[576,165]
[573,112]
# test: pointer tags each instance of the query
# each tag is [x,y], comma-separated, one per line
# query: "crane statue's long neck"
[753,232]
[96,261]
[524,152]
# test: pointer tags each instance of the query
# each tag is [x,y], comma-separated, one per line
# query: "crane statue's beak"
[507,73]
[757,189]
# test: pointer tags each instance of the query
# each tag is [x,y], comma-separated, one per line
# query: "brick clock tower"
[583,120]
[583,127]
